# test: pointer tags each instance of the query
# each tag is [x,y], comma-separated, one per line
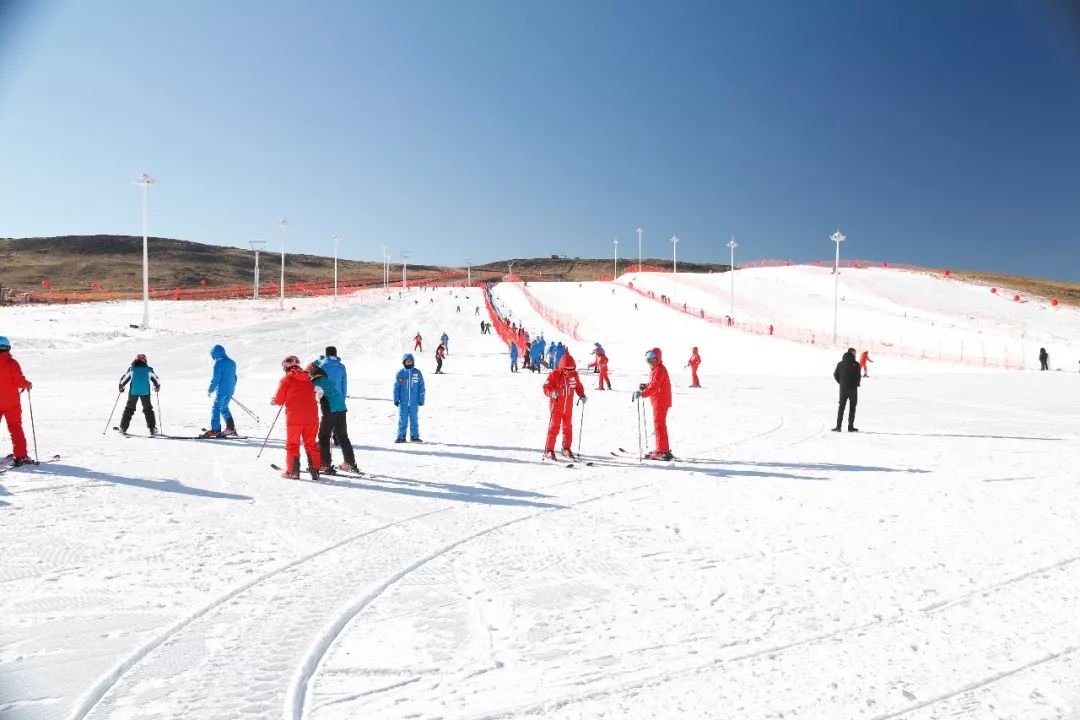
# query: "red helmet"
[290,361]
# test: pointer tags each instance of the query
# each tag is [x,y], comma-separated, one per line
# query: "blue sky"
[943,134]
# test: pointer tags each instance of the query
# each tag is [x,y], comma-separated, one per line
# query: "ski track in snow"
[775,569]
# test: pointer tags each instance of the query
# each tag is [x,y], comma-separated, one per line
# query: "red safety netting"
[564,322]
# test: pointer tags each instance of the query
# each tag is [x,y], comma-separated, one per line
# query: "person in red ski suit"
[658,390]
[560,387]
[12,383]
[602,362]
[418,343]
[863,359]
[297,393]
[693,362]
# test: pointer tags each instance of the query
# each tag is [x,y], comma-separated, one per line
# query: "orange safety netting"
[564,322]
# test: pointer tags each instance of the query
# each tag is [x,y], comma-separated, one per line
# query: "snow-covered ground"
[927,567]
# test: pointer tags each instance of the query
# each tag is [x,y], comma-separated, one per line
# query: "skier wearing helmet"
[297,393]
[408,397]
[140,376]
[12,383]
[658,390]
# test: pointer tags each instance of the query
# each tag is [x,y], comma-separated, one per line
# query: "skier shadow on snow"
[452,455]
[824,467]
[4,491]
[485,493]
[171,486]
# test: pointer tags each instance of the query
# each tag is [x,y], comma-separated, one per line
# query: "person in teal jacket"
[334,413]
[138,379]
[408,396]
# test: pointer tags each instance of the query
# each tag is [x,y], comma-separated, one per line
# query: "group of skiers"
[440,352]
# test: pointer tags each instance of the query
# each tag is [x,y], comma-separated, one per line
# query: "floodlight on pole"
[837,238]
[256,245]
[405,269]
[145,181]
[284,225]
[468,272]
[616,275]
[335,238]
[732,245]
[640,232]
[674,263]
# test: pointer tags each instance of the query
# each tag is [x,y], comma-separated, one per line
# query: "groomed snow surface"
[926,567]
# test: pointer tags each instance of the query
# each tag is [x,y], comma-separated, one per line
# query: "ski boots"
[349,468]
[660,455]
[400,440]
[568,454]
[230,428]
[20,461]
[550,455]
[415,439]
[326,470]
[213,434]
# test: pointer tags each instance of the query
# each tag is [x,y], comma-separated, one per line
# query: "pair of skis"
[8,463]
[181,437]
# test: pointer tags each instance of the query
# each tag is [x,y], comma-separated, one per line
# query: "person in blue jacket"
[223,383]
[543,350]
[408,396]
[335,370]
[513,356]
[551,356]
[446,342]
[140,375]
[534,355]
[560,350]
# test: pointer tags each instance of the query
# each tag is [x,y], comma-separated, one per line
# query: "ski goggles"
[650,356]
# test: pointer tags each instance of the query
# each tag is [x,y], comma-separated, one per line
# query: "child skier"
[658,390]
[865,358]
[224,384]
[140,376]
[440,355]
[297,394]
[445,343]
[418,342]
[334,421]
[12,383]
[560,387]
[693,363]
[409,396]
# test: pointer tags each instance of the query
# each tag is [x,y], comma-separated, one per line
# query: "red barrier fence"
[565,322]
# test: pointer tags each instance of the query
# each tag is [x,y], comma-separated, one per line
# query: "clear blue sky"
[938,133]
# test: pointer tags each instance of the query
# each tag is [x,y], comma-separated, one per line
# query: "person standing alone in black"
[847,373]
[1044,359]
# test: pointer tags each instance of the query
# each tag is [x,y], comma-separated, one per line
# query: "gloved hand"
[642,386]
[582,399]
[209,393]
[273,401]
[637,394]
[119,388]
[29,386]
[397,404]
[157,388]
[554,394]
[420,404]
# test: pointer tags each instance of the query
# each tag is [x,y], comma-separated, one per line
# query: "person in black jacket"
[1044,359]
[847,374]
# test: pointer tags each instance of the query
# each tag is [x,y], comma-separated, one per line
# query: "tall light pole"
[145,181]
[383,266]
[256,245]
[510,271]
[335,238]
[640,232]
[468,272]
[616,275]
[674,263]
[405,269]
[284,225]
[837,238]
[732,245]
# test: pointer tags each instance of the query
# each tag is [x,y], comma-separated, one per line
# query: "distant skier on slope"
[513,357]
[12,383]
[693,363]
[1044,359]
[863,360]
[560,387]
[334,420]
[223,383]
[551,351]
[658,390]
[297,393]
[847,376]
[409,397]
[601,363]
[140,376]
[418,342]
[440,355]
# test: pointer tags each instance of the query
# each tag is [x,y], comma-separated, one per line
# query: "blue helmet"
[5,344]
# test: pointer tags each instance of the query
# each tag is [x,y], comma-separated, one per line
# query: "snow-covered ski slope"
[894,312]
[926,567]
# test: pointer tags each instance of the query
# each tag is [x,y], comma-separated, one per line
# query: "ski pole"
[581,430]
[109,422]
[245,408]
[637,420]
[160,415]
[33,430]
[268,433]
